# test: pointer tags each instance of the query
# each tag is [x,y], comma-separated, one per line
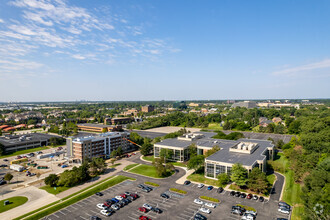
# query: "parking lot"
[178,206]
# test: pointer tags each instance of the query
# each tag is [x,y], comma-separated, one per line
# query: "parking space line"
[94,212]
[131,218]
[79,205]
[55,215]
[61,212]
[83,218]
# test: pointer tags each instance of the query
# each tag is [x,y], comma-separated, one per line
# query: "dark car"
[239,208]
[94,218]
[220,190]
[261,199]
[281,219]
[164,196]
[237,194]
[284,204]
[236,212]
[115,200]
[3,165]
[249,196]
[255,197]
[99,194]
[232,193]
[145,190]
[6,160]
[209,187]
[148,188]
[140,186]
[109,201]
[243,195]
[199,217]
[187,182]
[2,182]
[157,210]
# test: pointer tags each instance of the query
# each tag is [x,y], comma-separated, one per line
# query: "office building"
[147,108]
[98,127]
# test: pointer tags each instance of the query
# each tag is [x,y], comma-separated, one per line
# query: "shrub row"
[209,199]
[151,184]
[247,207]
[178,190]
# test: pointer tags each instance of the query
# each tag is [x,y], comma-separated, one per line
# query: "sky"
[110,50]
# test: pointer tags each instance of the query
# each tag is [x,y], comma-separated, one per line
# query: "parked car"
[251,212]
[237,194]
[199,216]
[94,218]
[163,195]
[157,210]
[209,187]
[261,199]
[115,207]
[2,182]
[284,210]
[145,190]
[255,197]
[101,206]
[284,204]
[119,198]
[248,216]
[249,196]
[6,160]
[127,193]
[220,190]
[106,212]
[140,186]
[243,195]
[135,196]
[201,185]
[232,193]
[198,201]
[115,200]
[142,209]
[205,210]
[142,217]
[147,206]
[148,188]
[187,183]
[236,212]
[99,194]
[123,195]
[211,205]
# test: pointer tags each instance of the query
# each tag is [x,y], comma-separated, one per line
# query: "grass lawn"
[215,126]
[198,177]
[296,213]
[271,178]
[14,202]
[130,166]
[24,152]
[147,170]
[51,189]
[151,159]
[73,198]
[115,165]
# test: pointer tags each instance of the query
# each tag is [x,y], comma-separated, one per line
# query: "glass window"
[176,154]
[156,151]
[219,169]
[229,171]
[210,170]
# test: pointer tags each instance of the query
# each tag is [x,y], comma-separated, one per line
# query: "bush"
[178,190]
[152,184]
[209,199]
[248,208]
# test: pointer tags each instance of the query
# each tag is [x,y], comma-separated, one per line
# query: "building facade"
[102,145]
[147,108]
[98,127]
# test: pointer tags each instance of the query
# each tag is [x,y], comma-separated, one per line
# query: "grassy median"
[55,190]
[148,170]
[130,166]
[82,194]
[13,202]
[24,152]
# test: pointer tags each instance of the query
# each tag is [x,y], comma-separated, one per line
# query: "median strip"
[209,199]
[178,191]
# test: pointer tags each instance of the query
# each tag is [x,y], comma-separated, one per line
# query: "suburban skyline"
[163,50]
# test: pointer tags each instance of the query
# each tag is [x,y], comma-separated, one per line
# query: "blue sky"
[61,50]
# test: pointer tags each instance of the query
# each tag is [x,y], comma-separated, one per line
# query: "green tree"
[158,163]
[51,180]
[192,150]
[120,151]
[294,127]
[257,181]
[195,162]
[8,177]
[239,175]
[212,151]
[146,147]
[167,154]
[104,130]
[223,179]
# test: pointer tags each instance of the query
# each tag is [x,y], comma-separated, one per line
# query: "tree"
[146,147]
[120,151]
[223,179]
[167,154]
[212,151]
[8,177]
[195,162]
[294,127]
[104,130]
[239,175]
[192,150]
[257,181]
[38,175]
[51,180]
[158,163]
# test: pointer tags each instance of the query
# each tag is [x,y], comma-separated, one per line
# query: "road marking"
[61,212]
[181,217]
[83,218]
[55,215]
[94,212]
[131,218]
[67,209]
[79,205]
[191,209]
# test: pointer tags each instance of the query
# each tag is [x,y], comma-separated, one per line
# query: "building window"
[219,169]
[176,154]
[229,171]
[157,151]
[210,170]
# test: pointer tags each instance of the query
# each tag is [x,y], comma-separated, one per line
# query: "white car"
[105,212]
[211,205]
[251,212]
[147,206]
[201,185]
[101,206]
[199,202]
[115,207]
[119,198]
[205,210]
[248,216]
[285,211]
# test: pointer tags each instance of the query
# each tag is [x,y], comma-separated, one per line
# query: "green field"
[115,165]
[152,159]
[130,166]
[147,170]
[200,178]
[75,197]
[215,126]
[149,158]
[13,202]
[24,152]
[54,191]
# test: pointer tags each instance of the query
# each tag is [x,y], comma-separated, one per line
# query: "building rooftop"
[98,137]
[174,142]
[94,125]
[12,140]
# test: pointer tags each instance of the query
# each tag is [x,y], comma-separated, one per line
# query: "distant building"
[192,104]
[277,120]
[13,143]
[98,127]
[130,112]
[88,147]
[246,104]
[180,105]
[147,108]
[123,120]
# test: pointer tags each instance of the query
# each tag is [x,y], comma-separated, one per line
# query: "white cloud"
[2,21]
[308,67]
[78,57]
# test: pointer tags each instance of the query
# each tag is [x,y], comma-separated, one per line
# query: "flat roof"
[94,125]
[174,142]
[12,140]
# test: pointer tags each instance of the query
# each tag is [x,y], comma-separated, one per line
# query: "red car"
[142,217]
[135,196]
[107,204]
[249,196]
[142,209]
[123,195]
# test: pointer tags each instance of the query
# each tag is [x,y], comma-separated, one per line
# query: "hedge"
[178,190]
[247,207]
[151,184]
[210,199]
